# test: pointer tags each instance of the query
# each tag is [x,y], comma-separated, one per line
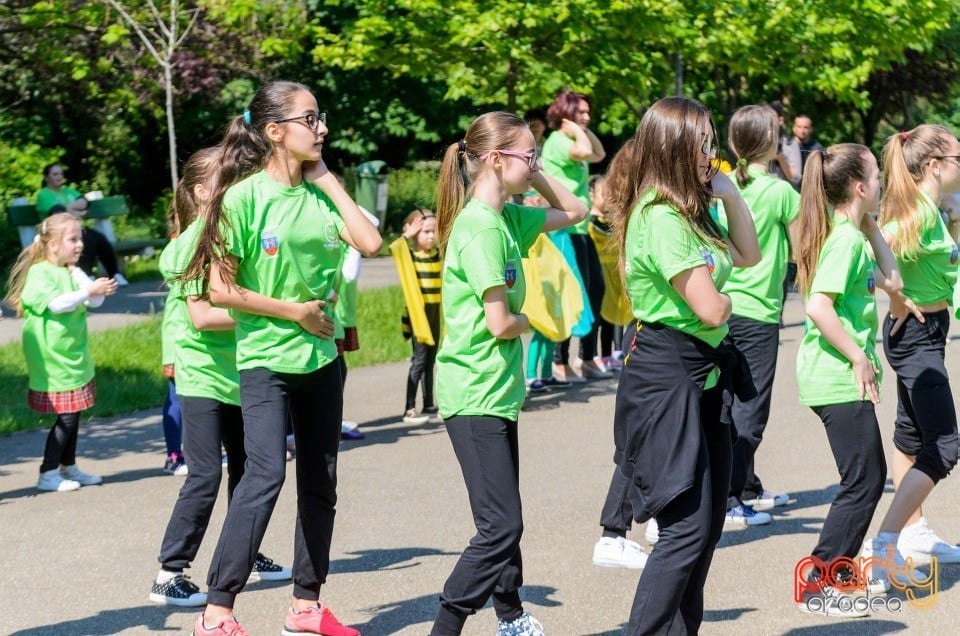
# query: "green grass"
[144,268]
[128,366]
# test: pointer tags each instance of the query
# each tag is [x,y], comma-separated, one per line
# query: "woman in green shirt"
[567,155]
[676,257]
[838,372]
[54,196]
[273,238]
[919,167]
[480,386]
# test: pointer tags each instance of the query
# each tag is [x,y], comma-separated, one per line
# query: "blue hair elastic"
[246,117]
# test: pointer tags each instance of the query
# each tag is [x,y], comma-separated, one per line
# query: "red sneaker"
[315,620]
[227,627]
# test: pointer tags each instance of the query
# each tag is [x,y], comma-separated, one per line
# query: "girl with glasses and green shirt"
[273,238]
[480,386]
[675,450]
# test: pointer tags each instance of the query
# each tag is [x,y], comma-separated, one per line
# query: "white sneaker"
[920,542]
[619,553]
[652,533]
[879,580]
[411,417]
[75,474]
[768,499]
[831,602]
[120,279]
[51,481]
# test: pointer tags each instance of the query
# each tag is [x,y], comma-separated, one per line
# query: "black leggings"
[96,247]
[61,448]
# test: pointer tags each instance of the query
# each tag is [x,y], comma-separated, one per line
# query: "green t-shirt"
[757,292]
[47,199]
[573,175]
[930,276]
[287,241]
[478,374]
[175,317]
[846,270]
[205,361]
[660,244]
[55,345]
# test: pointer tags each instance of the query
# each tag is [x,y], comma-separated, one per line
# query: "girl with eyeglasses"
[480,386]
[272,242]
[919,167]
[676,446]
[567,155]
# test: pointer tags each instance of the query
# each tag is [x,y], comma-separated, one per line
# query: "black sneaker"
[265,569]
[179,590]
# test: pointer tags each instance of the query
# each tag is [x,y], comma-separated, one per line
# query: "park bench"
[25,219]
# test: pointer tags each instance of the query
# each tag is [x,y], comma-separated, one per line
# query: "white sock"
[165,575]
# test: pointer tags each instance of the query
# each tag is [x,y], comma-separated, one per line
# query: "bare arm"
[565,208]
[742,238]
[206,317]
[501,323]
[793,238]
[358,232]
[586,146]
[888,276]
[309,315]
[712,307]
[821,311]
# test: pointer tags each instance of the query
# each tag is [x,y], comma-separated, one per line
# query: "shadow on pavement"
[393,617]
[152,618]
[844,627]
[376,560]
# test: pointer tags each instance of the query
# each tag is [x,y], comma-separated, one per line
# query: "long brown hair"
[461,165]
[906,157]
[245,150]
[50,230]
[827,177]
[751,133]
[184,207]
[664,156]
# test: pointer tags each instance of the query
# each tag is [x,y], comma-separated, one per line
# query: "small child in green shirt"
[52,295]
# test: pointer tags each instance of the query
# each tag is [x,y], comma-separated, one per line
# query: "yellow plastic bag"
[554,300]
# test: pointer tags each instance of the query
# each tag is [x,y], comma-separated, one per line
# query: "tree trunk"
[171,129]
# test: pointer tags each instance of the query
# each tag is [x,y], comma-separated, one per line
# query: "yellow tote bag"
[615,307]
[411,291]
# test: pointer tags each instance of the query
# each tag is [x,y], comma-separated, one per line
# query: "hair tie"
[43,227]
[462,145]
[903,135]
[823,153]
[741,162]
[36,238]
[246,117]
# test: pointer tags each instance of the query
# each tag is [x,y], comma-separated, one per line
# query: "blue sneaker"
[744,515]
[536,386]
[526,625]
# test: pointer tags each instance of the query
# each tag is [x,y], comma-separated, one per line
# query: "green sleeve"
[46,199]
[527,222]
[835,266]
[39,289]
[234,232]
[672,245]
[334,210]
[790,204]
[483,260]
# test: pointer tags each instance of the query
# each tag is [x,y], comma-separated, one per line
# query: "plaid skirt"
[63,401]
[351,342]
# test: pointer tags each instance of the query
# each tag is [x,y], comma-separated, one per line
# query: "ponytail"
[753,131]
[451,193]
[906,156]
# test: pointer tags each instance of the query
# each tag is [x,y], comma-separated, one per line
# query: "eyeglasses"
[311,120]
[529,155]
[956,158]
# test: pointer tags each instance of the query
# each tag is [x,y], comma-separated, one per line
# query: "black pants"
[926,425]
[616,517]
[206,425]
[759,342]
[61,446]
[609,333]
[488,452]
[589,265]
[857,448]
[97,247]
[421,365]
[315,403]
[669,597]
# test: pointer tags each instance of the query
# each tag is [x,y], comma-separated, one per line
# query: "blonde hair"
[50,230]
[461,165]
[906,158]
[827,177]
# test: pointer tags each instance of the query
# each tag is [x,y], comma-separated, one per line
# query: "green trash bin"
[371,191]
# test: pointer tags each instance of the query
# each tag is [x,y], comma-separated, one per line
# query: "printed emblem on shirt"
[871,284]
[510,275]
[953,255]
[269,241]
[708,260]
[330,236]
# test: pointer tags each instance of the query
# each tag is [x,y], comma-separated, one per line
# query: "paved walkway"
[82,563]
